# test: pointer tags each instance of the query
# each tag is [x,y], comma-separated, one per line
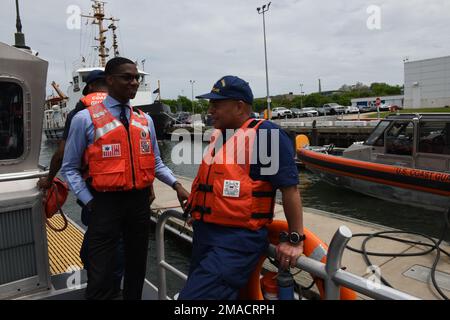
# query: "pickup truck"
[335,108]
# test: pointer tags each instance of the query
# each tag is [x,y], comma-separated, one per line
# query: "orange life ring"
[53,200]
[313,248]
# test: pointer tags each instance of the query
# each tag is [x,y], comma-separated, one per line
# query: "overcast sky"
[203,40]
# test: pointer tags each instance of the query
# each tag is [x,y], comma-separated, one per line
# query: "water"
[320,195]
[315,194]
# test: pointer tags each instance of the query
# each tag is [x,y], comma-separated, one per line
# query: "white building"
[427,83]
[371,101]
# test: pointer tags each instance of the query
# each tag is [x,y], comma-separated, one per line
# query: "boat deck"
[64,247]
[407,274]
[64,259]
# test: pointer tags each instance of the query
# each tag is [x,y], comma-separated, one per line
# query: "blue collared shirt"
[81,135]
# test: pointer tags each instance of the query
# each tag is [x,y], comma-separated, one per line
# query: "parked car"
[351,109]
[310,112]
[182,118]
[281,112]
[366,108]
[255,115]
[385,107]
[335,108]
[324,111]
[298,113]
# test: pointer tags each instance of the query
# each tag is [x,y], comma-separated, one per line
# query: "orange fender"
[313,248]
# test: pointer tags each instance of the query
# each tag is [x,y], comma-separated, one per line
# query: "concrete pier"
[407,274]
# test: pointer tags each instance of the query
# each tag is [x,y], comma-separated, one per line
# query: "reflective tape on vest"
[139,125]
[99,114]
[100,132]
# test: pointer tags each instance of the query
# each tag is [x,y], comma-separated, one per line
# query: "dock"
[407,274]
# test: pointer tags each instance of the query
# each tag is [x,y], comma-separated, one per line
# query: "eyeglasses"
[128,77]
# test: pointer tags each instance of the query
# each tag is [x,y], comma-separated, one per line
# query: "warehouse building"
[427,83]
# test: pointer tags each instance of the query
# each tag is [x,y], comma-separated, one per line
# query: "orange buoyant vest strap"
[94,98]
[223,191]
[118,159]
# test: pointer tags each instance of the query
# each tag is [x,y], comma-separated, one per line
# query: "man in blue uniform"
[224,255]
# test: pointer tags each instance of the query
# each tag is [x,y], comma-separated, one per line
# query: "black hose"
[434,246]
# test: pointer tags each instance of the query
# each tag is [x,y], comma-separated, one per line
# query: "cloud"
[206,39]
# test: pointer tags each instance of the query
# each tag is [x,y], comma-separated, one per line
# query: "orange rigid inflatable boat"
[405,160]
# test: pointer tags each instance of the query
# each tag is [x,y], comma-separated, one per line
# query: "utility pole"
[192,86]
[262,11]
[301,95]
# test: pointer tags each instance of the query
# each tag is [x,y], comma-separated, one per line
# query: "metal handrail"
[331,272]
[22,175]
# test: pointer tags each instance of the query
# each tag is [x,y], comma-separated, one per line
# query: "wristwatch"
[296,238]
[284,236]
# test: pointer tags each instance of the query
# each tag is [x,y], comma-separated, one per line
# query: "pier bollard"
[314,134]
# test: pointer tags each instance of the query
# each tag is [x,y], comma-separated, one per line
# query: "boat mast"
[19,37]
[99,16]
[113,28]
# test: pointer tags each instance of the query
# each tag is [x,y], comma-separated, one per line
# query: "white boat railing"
[331,272]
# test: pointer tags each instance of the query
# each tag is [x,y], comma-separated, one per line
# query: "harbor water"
[315,194]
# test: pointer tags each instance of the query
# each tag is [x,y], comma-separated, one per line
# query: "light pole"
[262,11]
[192,86]
[301,95]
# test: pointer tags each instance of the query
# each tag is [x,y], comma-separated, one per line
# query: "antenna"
[19,37]
[99,15]
[113,28]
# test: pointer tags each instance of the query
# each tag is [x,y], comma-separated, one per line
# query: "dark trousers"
[117,214]
[218,273]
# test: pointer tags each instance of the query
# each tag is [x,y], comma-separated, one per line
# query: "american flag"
[111,150]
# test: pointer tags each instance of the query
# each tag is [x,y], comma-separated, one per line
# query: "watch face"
[294,237]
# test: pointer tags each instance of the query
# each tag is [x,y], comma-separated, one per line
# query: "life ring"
[313,248]
[53,200]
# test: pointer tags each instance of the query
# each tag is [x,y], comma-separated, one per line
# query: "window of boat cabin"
[11,121]
[400,138]
[376,138]
[434,137]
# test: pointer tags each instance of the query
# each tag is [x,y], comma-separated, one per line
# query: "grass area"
[422,110]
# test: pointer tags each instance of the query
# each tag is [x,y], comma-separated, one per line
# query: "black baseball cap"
[93,76]
[230,87]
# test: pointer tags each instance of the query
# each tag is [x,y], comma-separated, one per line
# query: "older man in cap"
[232,198]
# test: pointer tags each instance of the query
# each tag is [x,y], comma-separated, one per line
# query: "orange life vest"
[119,160]
[94,98]
[223,192]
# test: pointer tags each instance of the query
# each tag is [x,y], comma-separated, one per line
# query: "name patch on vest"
[145,147]
[111,150]
[231,188]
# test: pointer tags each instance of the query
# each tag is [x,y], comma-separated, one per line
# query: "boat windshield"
[376,138]
[434,137]
[11,121]
[400,138]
